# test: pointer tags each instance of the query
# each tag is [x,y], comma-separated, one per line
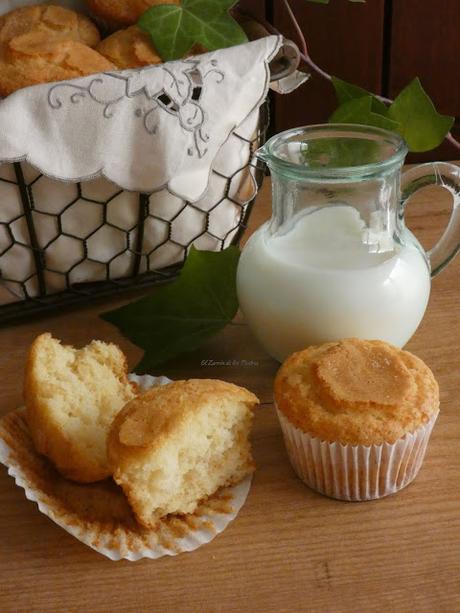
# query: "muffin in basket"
[45,43]
[57,22]
[130,48]
[122,12]
[356,416]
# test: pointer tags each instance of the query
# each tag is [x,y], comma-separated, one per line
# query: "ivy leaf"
[412,114]
[180,316]
[347,91]
[422,127]
[360,107]
[176,28]
[336,152]
[360,111]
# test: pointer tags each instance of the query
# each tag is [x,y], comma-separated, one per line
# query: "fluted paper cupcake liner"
[98,514]
[355,472]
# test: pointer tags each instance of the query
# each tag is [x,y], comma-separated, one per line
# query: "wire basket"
[98,240]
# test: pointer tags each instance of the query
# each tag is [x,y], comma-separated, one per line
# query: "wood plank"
[425,43]
[289,549]
[345,39]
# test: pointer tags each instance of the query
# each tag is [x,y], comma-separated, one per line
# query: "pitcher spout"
[262,154]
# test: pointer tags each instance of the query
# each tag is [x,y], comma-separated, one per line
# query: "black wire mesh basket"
[95,239]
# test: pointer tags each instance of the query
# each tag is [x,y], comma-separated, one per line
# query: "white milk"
[319,282]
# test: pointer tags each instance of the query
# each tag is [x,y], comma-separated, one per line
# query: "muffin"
[32,59]
[177,444]
[122,12]
[56,22]
[356,416]
[129,48]
[72,396]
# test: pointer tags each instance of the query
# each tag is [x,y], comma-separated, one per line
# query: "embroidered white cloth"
[146,129]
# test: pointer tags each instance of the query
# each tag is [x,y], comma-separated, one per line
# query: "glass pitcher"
[336,259]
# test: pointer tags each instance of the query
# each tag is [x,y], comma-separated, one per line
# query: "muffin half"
[178,443]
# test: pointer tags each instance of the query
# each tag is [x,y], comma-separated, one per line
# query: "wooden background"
[381,45]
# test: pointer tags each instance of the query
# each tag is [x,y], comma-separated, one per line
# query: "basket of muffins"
[94,208]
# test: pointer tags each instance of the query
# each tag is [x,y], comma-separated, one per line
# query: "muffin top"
[356,392]
[129,48]
[30,61]
[56,22]
[125,12]
[45,43]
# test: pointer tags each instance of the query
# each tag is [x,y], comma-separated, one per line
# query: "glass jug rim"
[343,172]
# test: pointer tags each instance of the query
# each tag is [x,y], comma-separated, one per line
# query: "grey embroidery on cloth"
[143,129]
[179,95]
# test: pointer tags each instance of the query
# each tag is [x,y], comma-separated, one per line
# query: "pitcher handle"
[446,176]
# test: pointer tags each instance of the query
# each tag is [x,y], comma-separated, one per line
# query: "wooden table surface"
[289,549]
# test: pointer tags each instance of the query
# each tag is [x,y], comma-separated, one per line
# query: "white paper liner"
[355,472]
[175,535]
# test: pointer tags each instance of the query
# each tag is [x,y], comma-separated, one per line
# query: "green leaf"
[422,127]
[180,316]
[379,107]
[347,91]
[176,28]
[337,152]
[412,114]
[360,111]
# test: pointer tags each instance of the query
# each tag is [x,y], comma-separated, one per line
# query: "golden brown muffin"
[356,392]
[56,22]
[31,59]
[178,443]
[72,396]
[123,12]
[130,48]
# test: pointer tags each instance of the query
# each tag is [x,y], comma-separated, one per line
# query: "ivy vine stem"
[305,55]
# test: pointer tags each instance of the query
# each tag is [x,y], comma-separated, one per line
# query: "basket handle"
[285,62]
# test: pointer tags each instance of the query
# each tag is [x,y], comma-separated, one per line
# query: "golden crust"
[48,432]
[45,43]
[149,418]
[123,12]
[30,59]
[356,392]
[129,48]
[56,22]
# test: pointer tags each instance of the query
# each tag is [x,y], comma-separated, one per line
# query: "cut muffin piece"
[72,396]
[176,444]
